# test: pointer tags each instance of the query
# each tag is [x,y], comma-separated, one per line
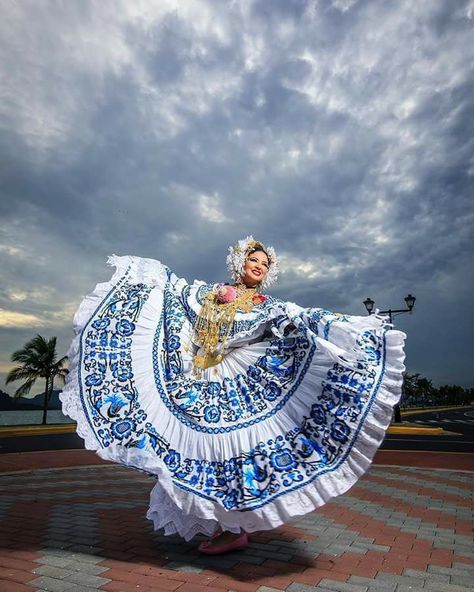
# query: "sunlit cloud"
[10,250]
[12,319]
[210,208]
[17,295]
[5,367]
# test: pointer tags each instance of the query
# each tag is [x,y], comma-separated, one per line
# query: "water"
[8,418]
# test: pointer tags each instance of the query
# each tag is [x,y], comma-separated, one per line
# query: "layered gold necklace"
[214,324]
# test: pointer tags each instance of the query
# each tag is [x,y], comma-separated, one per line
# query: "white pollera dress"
[290,418]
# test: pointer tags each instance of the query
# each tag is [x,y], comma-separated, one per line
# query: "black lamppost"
[410,302]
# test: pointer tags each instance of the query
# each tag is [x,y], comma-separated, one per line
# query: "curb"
[45,430]
[416,431]
[418,410]
[36,430]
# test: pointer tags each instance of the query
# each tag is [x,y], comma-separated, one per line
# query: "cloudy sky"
[341,132]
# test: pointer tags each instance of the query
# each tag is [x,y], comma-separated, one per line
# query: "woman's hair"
[259,249]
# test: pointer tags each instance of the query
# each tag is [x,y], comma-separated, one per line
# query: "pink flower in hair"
[226,294]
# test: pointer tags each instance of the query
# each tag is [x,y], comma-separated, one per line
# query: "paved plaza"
[83,528]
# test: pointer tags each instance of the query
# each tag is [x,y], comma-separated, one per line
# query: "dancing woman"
[250,410]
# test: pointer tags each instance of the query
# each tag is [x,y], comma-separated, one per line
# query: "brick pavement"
[83,528]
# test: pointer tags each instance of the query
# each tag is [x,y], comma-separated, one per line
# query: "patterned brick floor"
[83,528]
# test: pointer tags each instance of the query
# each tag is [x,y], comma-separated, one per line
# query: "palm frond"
[24,388]
[42,347]
[39,342]
[38,360]
[22,355]
[20,373]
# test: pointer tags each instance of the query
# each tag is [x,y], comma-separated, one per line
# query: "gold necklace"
[214,324]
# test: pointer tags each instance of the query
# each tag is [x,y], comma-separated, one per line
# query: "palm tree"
[38,360]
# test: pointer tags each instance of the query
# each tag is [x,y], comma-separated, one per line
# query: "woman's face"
[255,269]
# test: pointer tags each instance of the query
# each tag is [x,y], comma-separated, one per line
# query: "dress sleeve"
[147,271]
[345,338]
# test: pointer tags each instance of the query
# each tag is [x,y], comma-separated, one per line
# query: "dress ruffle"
[291,418]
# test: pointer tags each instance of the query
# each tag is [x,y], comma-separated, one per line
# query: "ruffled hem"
[180,511]
[205,516]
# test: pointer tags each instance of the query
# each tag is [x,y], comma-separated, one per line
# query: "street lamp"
[369,305]
[410,302]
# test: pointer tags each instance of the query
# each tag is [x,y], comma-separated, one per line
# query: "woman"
[249,410]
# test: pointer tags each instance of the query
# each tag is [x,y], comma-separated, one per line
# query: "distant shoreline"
[32,417]
[8,403]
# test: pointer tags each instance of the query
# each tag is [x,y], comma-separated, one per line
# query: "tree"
[453,394]
[38,360]
[418,390]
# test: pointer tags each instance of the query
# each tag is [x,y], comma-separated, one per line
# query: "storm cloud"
[339,132]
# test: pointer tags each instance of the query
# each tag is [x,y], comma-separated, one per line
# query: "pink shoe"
[236,545]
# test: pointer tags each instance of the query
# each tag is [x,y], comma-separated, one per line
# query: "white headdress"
[238,255]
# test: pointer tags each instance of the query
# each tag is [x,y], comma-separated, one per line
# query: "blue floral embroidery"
[282,460]
[213,389]
[108,394]
[94,379]
[125,328]
[101,323]
[172,460]
[272,391]
[254,373]
[340,430]
[212,413]
[243,400]
[123,428]
[116,401]
[272,467]
[172,343]
[171,358]
[318,413]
